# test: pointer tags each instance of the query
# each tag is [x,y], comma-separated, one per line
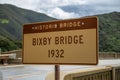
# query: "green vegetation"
[109,32]
[7,44]
[12,19]
[4,21]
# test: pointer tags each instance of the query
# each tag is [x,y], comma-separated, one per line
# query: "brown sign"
[72,41]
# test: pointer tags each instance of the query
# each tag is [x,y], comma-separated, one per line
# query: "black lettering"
[65,39]
[61,40]
[40,41]
[62,53]
[69,39]
[81,39]
[76,39]
[56,40]
[57,53]
[49,40]
[34,41]
[44,41]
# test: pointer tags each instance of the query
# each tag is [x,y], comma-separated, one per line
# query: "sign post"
[0,51]
[72,41]
[57,72]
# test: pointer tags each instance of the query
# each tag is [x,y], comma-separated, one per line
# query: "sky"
[55,8]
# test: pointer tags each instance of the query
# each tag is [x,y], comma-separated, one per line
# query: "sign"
[72,41]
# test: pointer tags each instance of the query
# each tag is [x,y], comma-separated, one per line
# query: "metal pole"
[57,72]
[0,51]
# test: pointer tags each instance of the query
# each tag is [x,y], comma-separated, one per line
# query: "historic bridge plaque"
[72,41]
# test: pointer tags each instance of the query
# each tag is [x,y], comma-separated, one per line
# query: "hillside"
[109,32]
[12,18]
